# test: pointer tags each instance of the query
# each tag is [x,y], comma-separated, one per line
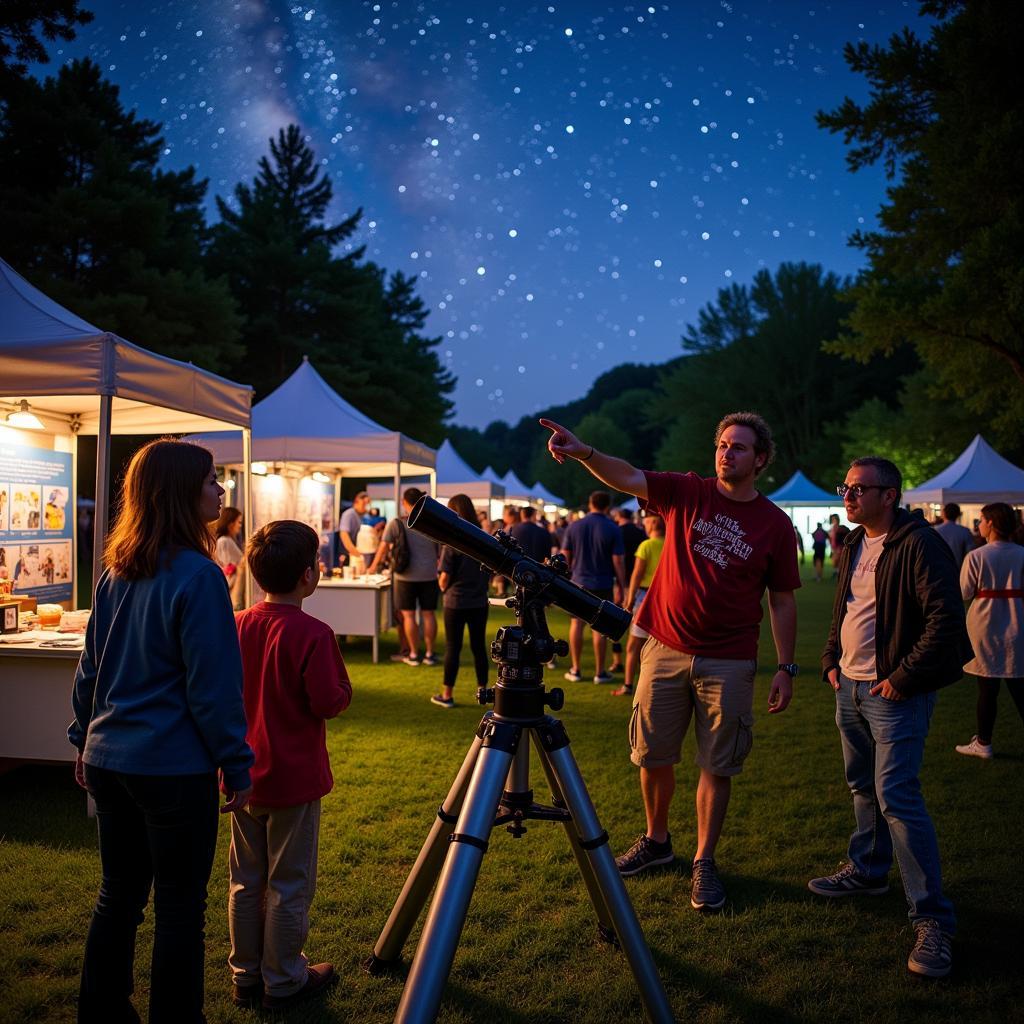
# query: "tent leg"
[102,512]
[247,501]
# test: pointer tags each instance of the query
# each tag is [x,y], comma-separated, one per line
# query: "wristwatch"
[791,668]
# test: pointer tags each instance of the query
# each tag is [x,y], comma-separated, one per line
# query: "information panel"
[36,522]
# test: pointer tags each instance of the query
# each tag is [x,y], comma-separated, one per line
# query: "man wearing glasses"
[898,634]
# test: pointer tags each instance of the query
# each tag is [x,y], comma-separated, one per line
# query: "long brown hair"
[228,515]
[462,506]
[159,508]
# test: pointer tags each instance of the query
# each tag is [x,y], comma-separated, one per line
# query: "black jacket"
[921,641]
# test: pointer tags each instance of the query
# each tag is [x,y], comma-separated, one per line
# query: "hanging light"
[23,418]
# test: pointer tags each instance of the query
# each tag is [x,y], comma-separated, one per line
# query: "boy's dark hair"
[600,501]
[411,495]
[280,552]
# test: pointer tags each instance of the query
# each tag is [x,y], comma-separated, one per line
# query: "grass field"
[529,951]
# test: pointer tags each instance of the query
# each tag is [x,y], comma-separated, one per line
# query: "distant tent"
[489,474]
[546,496]
[515,489]
[978,475]
[454,476]
[798,490]
[632,505]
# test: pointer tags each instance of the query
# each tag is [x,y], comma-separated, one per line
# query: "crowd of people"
[177,696]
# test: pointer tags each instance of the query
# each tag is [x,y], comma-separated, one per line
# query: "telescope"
[548,580]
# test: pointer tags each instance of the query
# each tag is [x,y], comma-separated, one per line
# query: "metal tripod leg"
[439,941]
[605,926]
[594,840]
[424,872]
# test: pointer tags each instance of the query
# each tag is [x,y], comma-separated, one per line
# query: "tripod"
[493,788]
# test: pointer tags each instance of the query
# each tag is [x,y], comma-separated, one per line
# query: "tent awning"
[978,475]
[799,490]
[62,365]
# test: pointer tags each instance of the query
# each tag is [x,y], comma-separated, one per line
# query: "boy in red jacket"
[294,679]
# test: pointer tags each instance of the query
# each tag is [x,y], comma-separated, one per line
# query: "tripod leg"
[604,920]
[424,872]
[594,840]
[436,950]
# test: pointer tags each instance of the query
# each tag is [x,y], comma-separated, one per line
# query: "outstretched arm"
[616,473]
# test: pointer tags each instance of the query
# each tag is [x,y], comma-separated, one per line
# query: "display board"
[36,523]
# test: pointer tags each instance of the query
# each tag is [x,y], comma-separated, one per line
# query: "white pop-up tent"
[540,491]
[807,503]
[977,476]
[454,476]
[516,490]
[305,423]
[76,378]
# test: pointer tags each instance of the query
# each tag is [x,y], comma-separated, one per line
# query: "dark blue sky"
[571,181]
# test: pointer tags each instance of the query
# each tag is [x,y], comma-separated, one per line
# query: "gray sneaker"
[708,893]
[932,955]
[848,882]
[643,854]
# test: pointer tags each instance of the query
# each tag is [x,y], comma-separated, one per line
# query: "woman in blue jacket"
[158,711]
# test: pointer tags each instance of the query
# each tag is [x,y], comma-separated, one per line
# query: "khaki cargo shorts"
[717,693]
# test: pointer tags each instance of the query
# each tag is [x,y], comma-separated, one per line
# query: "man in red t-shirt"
[293,680]
[725,544]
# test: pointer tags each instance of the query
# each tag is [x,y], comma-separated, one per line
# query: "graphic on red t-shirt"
[720,556]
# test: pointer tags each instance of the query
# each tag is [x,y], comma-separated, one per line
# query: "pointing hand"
[564,443]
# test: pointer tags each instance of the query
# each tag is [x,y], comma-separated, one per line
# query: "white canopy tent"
[516,490]
[547,497]
[807,503]
[77,379]
[977,476]
[307,424]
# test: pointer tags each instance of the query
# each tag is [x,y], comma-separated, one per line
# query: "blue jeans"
[156,831]
[883,747]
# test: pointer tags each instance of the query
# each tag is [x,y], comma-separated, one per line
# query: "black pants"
[454,621]
[988,698]
[156,831]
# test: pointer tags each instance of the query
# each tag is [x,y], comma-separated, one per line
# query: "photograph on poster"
[5,506]
[54,512]
[28,572]
[26,505]
[9,554]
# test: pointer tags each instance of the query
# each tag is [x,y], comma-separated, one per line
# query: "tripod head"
[521,651]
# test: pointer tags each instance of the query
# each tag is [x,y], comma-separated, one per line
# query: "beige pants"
[272,869]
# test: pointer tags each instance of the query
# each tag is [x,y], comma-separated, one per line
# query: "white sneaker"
[975,749]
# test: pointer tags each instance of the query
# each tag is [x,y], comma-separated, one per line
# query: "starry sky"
[570,181]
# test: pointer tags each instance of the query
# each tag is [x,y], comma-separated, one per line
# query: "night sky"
[572,182]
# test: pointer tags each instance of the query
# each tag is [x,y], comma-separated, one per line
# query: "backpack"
[400,553]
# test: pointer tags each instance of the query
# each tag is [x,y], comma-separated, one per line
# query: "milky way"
[570,181]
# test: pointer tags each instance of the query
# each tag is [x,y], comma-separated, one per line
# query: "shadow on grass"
[42,804]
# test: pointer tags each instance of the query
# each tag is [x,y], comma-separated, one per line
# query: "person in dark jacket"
[898,634]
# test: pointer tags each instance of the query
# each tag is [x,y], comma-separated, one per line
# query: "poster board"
[36,522]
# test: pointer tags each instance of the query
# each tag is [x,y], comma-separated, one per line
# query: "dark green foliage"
[946,266]
[21,22]
[90,219]
[362,330]
[760,348]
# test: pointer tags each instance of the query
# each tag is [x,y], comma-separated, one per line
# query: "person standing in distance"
[725,544]
[898,634]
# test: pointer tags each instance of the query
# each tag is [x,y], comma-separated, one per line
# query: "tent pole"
[433,483]
[102,511]
[247,500]
[398,487]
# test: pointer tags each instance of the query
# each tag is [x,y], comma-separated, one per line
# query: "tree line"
[909,359]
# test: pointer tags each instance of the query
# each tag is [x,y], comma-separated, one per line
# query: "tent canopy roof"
[61,365]
[306,422]
[546,496]
[798,490]
[454,476]
[515,488]
[979,474]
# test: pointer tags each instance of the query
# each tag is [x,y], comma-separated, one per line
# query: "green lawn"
[528,952]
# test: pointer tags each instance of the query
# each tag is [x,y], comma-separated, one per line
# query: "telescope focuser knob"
[555,699]
[561,648]
[485,695]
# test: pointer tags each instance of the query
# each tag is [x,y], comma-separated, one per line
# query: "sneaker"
[411,659]
[442,702]
[573,676]
[643,854]
[604,677]
[625,690]
[707,893]
[848,882]
[400,656]
[552,664]
[932,955]
[975,749]
[431,659]
[615,666]
[247,996]
[318,978]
